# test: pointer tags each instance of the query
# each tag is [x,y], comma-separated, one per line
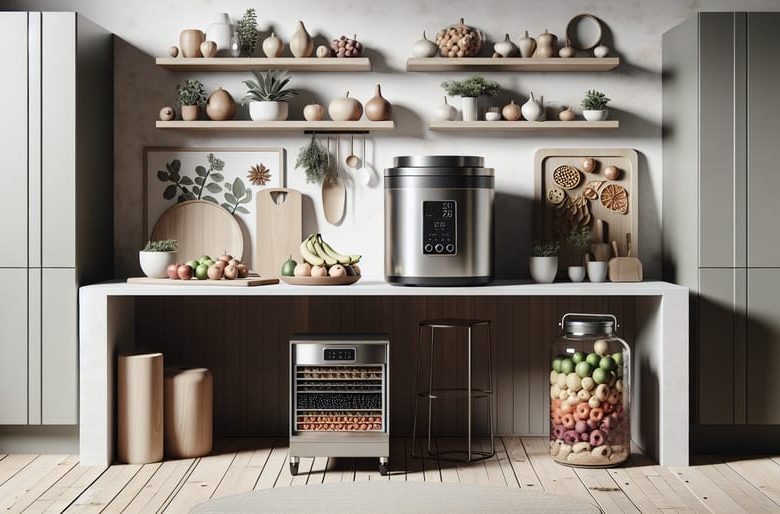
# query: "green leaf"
[176,165]
[196,190]
[238,187]
[230,198]
[200,170]
[210,199]
[217,177]
[174,176]
[214,188]
[169,192]
[247,197]
[242,210]
[227,206]
[185,181]
[199,180]
[182,198]
[163,175]
[228,186]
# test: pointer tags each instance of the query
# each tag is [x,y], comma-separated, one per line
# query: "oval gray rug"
[406,497]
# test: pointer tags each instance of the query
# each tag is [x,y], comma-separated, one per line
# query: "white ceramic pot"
[221,32]
[597,271]
[154,264]
[268,111]
[543,269]
[492,116]
[595,115]
[469,108]
[576,273]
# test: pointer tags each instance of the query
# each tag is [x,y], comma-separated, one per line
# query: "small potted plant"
[157,256]
[469,91]
[191,96]
[267,97]
[577,243]
[594,106]
[543,263]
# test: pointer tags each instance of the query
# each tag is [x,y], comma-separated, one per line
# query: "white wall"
[388,29]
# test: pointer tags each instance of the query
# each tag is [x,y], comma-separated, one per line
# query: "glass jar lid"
[578,324]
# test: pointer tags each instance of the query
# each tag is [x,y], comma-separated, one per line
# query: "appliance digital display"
[339,354]
[439,235]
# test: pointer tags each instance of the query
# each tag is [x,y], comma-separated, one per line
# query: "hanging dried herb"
[313,158]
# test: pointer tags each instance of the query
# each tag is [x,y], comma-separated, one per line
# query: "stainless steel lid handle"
[586,315]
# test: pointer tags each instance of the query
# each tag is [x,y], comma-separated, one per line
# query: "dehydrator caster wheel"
[294,461]
[384,466]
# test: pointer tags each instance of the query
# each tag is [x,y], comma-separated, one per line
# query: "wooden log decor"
[188,412]
[140,408]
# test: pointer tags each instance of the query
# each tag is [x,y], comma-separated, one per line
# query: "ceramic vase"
[190,112]
[273,46]
[576,273]
[301,43]
[543,269]
[220,31]
[189,42]
[445,112]
[527,45]
[469,108]
[597,271]
[268,111]
[591,115]
[155,264]
[378,109]
[220,105]
[533,110]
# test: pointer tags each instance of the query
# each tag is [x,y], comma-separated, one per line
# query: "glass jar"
[589,393]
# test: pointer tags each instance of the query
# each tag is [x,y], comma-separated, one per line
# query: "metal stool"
[469,392]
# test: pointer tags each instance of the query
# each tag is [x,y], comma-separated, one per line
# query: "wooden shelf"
[496,126]
[264,63]
[512,64]
[280,126]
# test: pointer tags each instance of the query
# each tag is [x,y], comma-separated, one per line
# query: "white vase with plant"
[157,256]
[576,245]
[594,106]
[191,96]
[543,263]
[469,91]
[267,97]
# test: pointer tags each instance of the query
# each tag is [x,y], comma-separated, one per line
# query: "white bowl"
[595,115]
[155,264]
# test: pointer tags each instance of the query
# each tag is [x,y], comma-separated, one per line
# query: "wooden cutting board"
[278,231]
[201,228]
[250,281]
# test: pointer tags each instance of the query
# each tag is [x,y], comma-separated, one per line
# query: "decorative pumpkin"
[459,40]
[220,105]
[506,48]
[545,45]
[445,112]
[567,51]
[511,111]
[313,112]
[425,48]
[345,109]
[601,51]
[566,115]
[378,109]
[167,113]
[273,46]
[322,51]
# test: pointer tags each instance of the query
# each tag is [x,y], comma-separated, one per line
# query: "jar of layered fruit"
[589,393]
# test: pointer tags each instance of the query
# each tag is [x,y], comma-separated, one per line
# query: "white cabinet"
[13,346]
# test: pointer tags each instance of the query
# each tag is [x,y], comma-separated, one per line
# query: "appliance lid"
[589,324]
[438,161]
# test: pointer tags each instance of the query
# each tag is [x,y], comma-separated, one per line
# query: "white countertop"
[378,288]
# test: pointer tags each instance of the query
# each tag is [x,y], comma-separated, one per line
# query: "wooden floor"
[56,483]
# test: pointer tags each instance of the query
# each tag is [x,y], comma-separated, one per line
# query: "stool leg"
[415,392]
[490,387]
[469,395]
[430,391]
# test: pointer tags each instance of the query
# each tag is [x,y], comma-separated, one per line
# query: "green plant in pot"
[157,257]
[267,96]
[577,244]
[543,263]
[191,96]
[594,105]
[248,35]
[469,90]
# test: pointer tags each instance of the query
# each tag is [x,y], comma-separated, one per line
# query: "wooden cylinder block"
[188,412]
[140,408]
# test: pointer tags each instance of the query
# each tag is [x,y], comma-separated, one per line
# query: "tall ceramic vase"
[189,42]
[469,108]
[220,31]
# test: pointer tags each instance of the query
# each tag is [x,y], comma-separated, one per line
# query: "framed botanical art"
[229,177]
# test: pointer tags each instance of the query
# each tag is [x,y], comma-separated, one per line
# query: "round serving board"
[201,228]
[321,281]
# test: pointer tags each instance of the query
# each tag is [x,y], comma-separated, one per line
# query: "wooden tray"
[320,281]
[546,226]
[250,281]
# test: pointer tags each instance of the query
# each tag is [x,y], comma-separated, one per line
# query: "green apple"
[192,264]
[578,357]
[618,356]
[208,262]
[607,363]
[202,272]
[556,364]
[203,258]
[583,369]
[593,359]
[567,366]
[600,376]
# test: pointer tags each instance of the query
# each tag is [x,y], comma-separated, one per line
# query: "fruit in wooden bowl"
[323,265]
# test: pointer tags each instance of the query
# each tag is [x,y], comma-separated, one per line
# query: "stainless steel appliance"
[339,397]
[439,221]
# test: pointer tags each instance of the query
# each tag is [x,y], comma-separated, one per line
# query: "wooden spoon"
[352,160]
[334,193]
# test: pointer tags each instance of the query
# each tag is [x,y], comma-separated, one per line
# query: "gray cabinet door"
[13,140]
[59,347]
[763,130]
[720,346]
[763,346]
[13,346]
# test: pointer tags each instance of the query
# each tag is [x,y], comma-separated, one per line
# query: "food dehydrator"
[339,397]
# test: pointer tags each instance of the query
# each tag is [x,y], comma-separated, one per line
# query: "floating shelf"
[264,63]
[495,126]
[512,64]
[281,126]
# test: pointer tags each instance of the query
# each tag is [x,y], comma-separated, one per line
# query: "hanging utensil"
[352,160]
[334,193]
[365,175]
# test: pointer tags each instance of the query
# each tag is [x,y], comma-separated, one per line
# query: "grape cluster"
[346,47]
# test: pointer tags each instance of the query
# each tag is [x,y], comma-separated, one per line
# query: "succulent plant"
[269,87]
[163,245]
[471,87]
[190,92]
[545,248]
[594,100]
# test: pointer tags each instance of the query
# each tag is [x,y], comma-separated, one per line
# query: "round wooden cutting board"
[201,228]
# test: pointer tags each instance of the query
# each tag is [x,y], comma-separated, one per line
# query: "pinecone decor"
[259,175]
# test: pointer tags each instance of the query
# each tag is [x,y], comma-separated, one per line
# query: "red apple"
[231,271]
[222,264]
[226,258]
[185,272]
[243,270]
[173,271]
[214,272]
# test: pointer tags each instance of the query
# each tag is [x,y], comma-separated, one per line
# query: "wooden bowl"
[321,281]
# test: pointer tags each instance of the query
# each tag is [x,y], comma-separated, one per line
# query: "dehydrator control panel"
[439,236]
[339,354]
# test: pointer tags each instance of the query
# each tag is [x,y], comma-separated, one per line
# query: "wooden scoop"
[334,193]
[601,250]
[625,269]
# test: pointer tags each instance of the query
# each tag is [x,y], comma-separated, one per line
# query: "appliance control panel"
[439,235]
[339,354]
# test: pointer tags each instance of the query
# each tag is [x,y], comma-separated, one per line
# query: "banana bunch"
[317,252]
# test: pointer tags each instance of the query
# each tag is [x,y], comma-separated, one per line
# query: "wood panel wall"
[245,342]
